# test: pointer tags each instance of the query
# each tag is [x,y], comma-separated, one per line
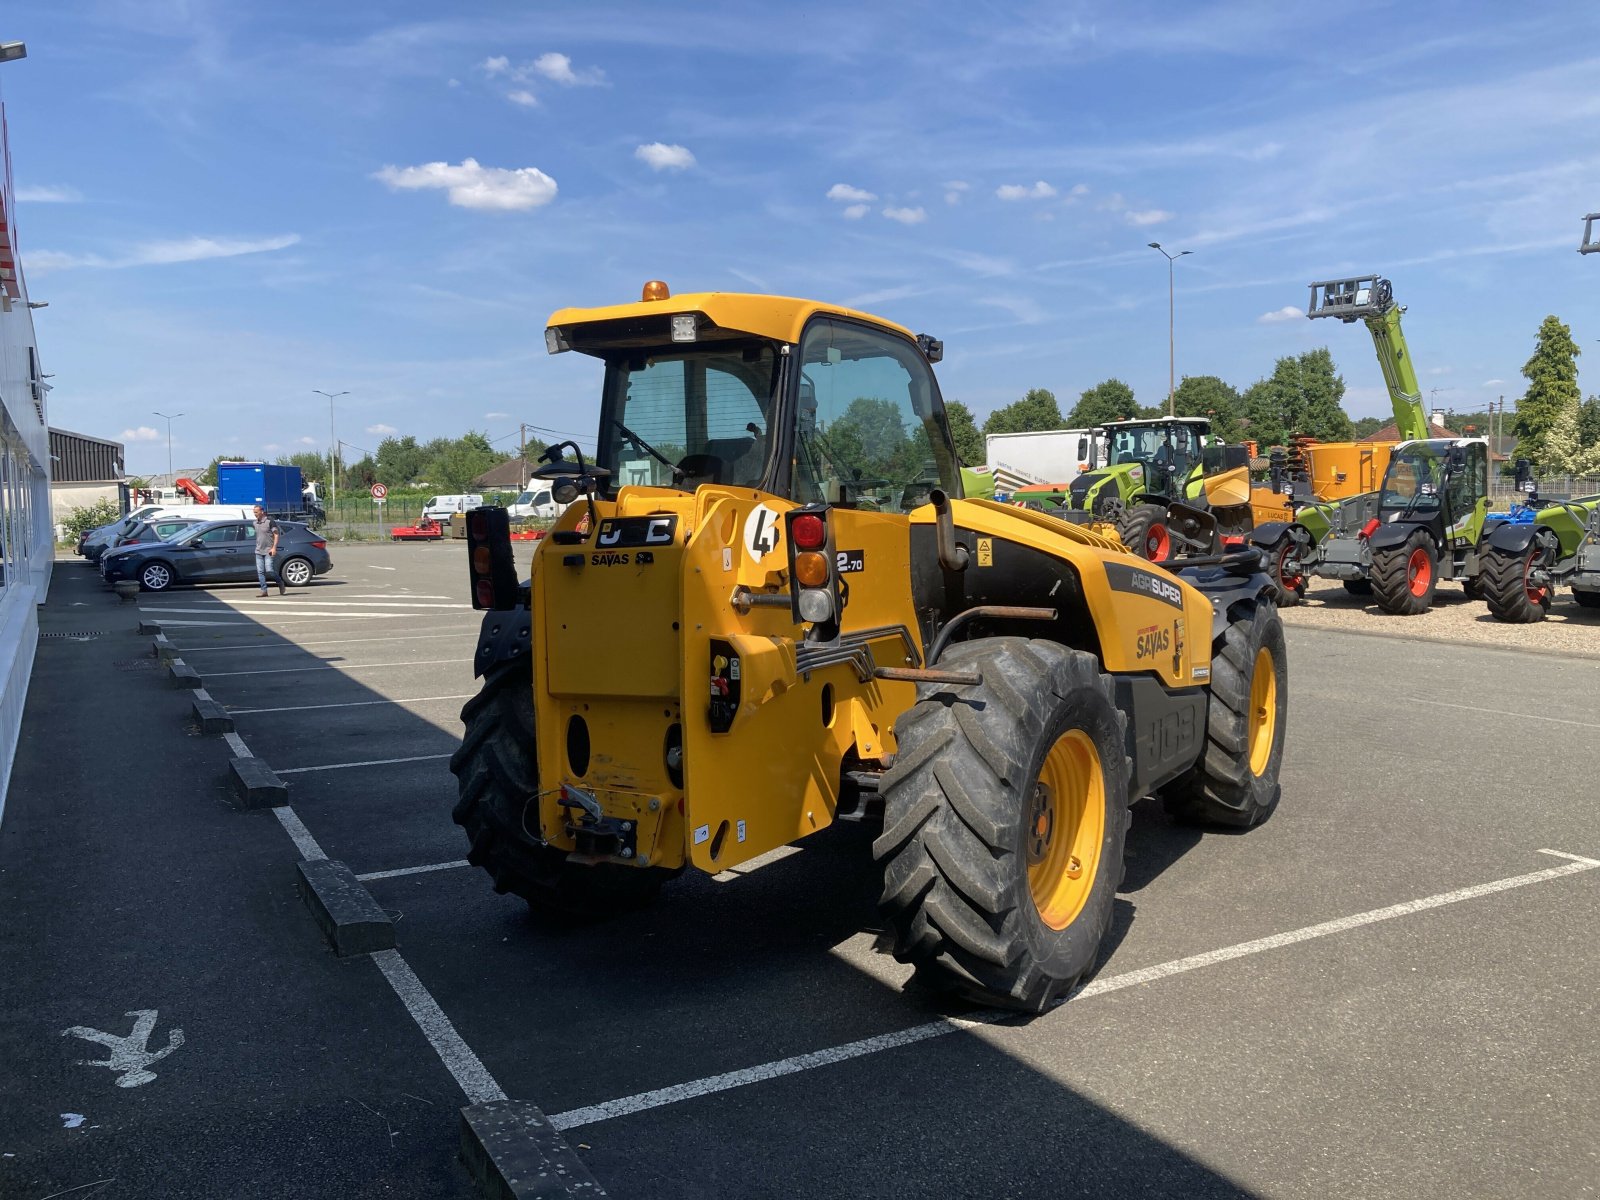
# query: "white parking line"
[1499,712]
[404,637]
[371,762]
[240,712]
[395,874]
[298,832]
[629,1105]
[457,1056]
[236,744]
[426,662]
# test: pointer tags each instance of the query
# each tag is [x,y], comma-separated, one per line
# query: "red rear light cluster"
[816,595]
[319,545]
[808,531]
[490,566]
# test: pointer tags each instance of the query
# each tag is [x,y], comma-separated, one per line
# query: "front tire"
[497,781]
[1235,783]
[1005,816]
[1404,577]
[1509,587]
[1143,530]
[1281,560]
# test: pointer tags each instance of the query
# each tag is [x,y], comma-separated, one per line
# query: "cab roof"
[1157,421]
[779,318]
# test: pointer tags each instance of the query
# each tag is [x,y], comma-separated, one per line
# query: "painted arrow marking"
[128,1055]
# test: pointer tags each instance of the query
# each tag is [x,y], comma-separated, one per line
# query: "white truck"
[1024,460]
[536,504]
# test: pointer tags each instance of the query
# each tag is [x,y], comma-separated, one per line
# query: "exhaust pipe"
[952,555]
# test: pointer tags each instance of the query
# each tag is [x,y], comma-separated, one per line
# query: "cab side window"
[868,421]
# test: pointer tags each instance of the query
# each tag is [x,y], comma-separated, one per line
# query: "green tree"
[1589,422]
[361,473]
[1302,396]
[1322,414]
[1035,411]
[81,520]
[1564,449]
[208,477]
[1109,400]
[313,466]
[1552,375]
[400,461]
[965,434]
[1208,396]
[1365,427]
[453,465]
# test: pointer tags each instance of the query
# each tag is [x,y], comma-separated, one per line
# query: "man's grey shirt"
[265,527]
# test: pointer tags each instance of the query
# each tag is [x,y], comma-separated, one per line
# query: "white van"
[535,504]
[442,508]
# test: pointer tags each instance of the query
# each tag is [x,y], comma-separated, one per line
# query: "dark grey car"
[217,552]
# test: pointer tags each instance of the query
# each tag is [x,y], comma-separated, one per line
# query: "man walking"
[267,533]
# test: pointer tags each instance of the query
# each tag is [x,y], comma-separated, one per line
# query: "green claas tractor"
[1150,466]
[1530,551]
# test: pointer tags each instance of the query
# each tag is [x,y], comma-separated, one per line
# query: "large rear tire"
[497,781]
[1404,577]
[1143,530]
[1005,816]
[1235,783]
[1509,588]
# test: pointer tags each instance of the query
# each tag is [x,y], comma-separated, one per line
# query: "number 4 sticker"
[762,531]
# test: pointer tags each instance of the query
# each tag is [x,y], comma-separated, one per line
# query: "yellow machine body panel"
[778,317]
[1147,621]
[1227,489]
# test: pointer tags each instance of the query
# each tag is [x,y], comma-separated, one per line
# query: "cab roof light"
[655,289]
[684,328]
[555,342]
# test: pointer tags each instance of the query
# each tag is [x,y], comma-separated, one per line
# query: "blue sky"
[227,205]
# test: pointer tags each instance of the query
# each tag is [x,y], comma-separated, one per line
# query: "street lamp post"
[169,420]
[1172,347]
[333,450]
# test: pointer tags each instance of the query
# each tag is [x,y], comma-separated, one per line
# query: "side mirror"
[1083,448]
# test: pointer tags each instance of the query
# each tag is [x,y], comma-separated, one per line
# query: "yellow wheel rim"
[1066,826]
[1263,711]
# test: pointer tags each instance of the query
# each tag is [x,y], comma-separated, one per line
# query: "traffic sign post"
[379,492]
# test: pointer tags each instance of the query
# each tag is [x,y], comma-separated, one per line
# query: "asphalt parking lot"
[1387,990]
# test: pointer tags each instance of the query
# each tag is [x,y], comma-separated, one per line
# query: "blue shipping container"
[277,489]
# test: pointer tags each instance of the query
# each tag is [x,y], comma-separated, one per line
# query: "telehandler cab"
[769,606]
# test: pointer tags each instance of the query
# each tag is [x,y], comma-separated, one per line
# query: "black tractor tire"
[1587,599]
[1143,530]
[1289,589]
[1235,782]
[1404,577]
[1358,587]
[1512,598]
[1473,588]
[497,781]
[1002,795]
[1108,506]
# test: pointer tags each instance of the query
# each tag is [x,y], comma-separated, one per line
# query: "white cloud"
[308,441]
[856,211]
[846,194]
[558,69]
[142,434]
[1492,383]
[162,254]
[1150,216]
[660,157]
[496,416]
[499,64]
[523,97]
[382,430]
[1078,189]
[1021,191]
[49,194]
[906,216]
[1440,370]
[470,185]
[954,190]
[1287,313]
[272,447]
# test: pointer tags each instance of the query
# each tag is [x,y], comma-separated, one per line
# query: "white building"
[26,544]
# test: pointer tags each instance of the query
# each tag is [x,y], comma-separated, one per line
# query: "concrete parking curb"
[255,784]
[343,908]
[513,1152]
[183,675]
[213,718]
[162,648]
[149,627]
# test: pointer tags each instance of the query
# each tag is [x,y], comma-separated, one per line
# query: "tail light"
[490,566]
[319,545]
[818,596]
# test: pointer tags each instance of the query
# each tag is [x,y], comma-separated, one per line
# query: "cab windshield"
[1414,481]
[681,418]
[1155,446]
